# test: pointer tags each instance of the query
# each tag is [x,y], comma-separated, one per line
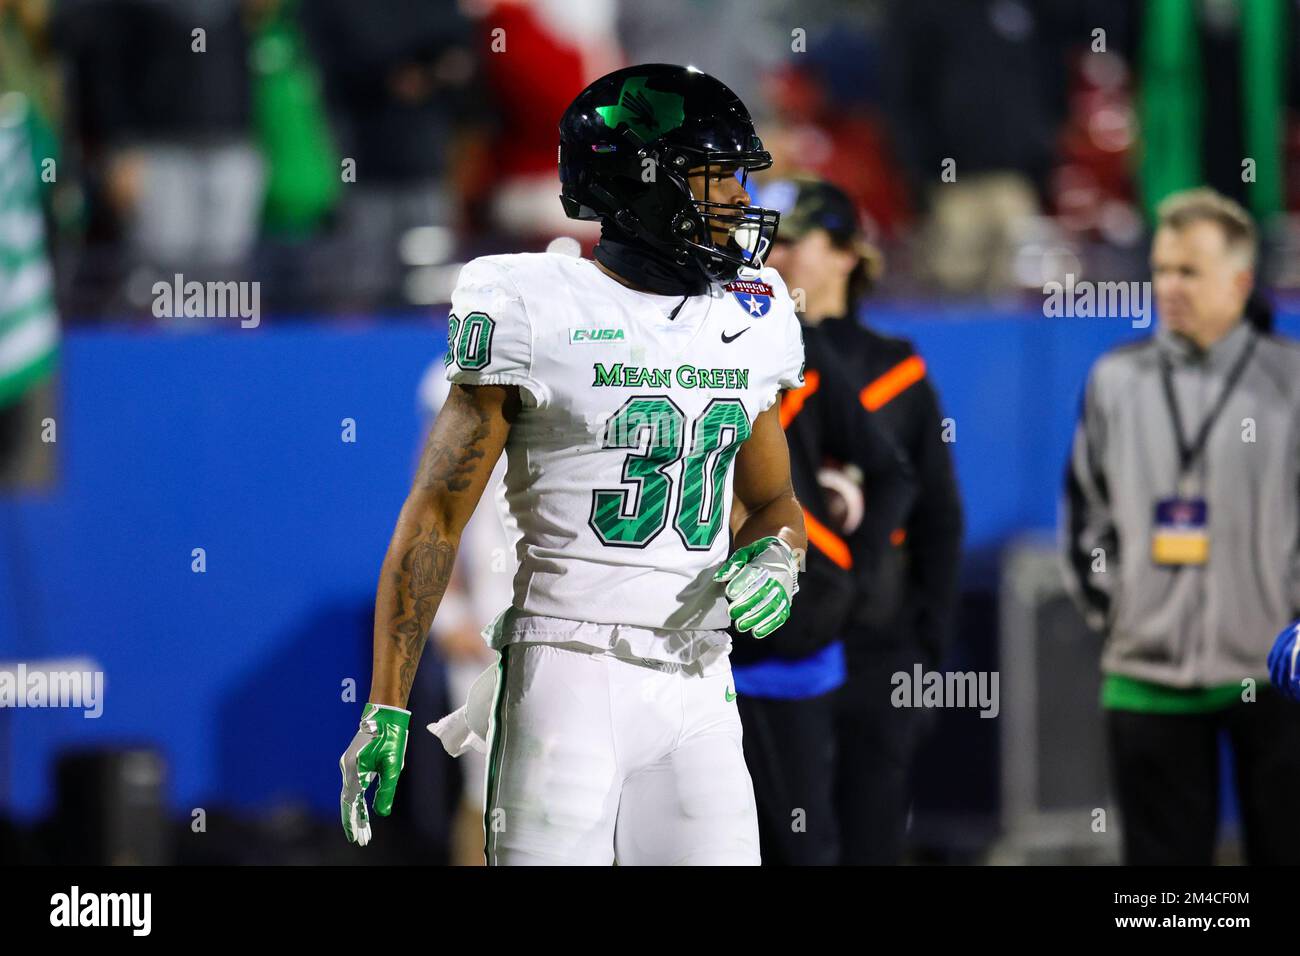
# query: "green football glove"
[762,579]
[378,748]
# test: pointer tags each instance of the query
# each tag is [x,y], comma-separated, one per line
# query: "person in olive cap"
[821,253]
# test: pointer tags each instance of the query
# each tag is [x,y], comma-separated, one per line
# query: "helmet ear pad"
[658,209]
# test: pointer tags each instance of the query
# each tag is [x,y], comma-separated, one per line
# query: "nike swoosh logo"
[731,338]
[730,696]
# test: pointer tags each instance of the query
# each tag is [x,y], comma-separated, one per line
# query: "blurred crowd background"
[349,156]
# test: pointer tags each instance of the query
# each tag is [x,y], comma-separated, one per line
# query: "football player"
[636,400]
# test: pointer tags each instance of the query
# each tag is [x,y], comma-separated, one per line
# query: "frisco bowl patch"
[754,297]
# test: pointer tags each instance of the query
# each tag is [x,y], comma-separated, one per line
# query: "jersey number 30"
[654,429]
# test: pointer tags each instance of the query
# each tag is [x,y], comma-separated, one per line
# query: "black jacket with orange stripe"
[921,572]
[826,424]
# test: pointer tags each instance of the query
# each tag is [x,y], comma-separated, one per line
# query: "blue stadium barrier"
[230,440]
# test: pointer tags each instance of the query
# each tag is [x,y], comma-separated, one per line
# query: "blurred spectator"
[26,67]
[29,332]
[30,66]
[977,93]
[552,50]
[399,81]
[828,123]
[738,41]
[1092,186]
[1182,543]
[163,113]
[302,162]
[303,172]
[906,618]
[982,83]
[856,487]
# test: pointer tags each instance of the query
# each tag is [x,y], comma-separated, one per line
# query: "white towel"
[466,727]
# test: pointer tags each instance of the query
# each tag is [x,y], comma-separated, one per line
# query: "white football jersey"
[619,467]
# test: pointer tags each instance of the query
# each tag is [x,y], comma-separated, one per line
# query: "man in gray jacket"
[1182,543]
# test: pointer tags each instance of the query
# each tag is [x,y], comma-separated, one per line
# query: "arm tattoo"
[418,585]
[453,451]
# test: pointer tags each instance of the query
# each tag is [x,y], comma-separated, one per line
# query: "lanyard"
[1187,454]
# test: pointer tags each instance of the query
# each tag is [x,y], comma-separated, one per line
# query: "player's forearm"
[463,446]
[414,577]
[782,517]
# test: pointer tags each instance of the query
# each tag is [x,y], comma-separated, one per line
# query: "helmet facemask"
[721,237]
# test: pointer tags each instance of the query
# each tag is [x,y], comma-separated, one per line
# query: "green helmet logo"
[648,114]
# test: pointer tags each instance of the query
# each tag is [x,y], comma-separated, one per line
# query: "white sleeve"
[788,351]
[489,334]
[793,360]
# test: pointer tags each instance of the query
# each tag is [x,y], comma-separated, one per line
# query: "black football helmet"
[628,142]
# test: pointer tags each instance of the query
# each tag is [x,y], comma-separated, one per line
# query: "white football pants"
[596,760]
